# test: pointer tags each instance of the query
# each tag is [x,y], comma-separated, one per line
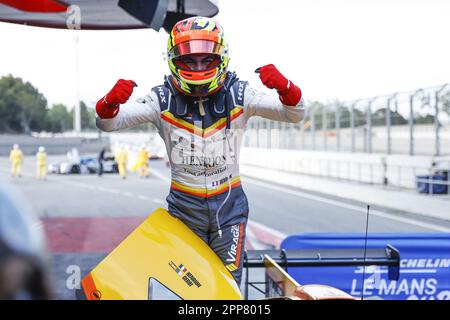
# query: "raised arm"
[112,116]
[289,106]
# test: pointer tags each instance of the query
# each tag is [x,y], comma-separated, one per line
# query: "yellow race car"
[163,259]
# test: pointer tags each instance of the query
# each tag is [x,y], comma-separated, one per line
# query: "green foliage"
[446,102]
[59,119]
[379,118]
[22,107]
[87,117]
[427,119]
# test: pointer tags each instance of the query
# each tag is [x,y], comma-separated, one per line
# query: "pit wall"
[394,170]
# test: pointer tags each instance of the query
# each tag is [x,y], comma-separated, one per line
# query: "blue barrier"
[424,266]
[424,187]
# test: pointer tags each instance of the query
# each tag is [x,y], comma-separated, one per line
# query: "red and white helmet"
[194,36]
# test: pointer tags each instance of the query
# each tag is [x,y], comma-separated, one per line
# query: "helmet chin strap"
[201,108]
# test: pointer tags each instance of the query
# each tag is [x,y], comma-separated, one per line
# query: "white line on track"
[253,240]
[329,201]
[274,232]
[108,190]
[347,206]
[256,224]
[104,189]
[301,194]
[161,176]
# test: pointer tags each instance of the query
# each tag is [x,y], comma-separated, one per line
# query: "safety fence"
[413,122]
[425,174]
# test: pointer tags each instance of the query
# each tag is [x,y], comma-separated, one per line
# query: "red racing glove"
[108,106]
[289,93]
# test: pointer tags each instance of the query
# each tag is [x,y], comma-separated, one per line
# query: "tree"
[359,117]
[87,117]
[314,112]
[424,119]
[59,119]
[22,107]
[446,102]
[379,118]
[317,108]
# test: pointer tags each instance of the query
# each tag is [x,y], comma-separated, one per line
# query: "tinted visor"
[197,62]
[196,46]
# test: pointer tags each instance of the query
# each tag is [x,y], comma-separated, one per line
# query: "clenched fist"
[289,93]
[108,106]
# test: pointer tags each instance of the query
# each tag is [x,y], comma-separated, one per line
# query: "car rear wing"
[388,256]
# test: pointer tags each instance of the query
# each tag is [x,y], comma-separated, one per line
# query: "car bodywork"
[164,249]
[104,14]
[164,259]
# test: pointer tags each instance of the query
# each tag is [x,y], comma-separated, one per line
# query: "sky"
[332,49]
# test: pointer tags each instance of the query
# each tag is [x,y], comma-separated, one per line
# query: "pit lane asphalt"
[288,213]
[109,196]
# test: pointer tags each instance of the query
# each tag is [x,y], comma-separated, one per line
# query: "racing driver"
[201,112]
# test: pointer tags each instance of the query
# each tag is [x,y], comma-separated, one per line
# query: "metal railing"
[383,170]
[413,122]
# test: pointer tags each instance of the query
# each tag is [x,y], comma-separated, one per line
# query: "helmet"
[24,272]
[194,36]
[15,146]
[41,149]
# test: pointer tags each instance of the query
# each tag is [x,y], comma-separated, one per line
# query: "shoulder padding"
[163,94]
[238,89]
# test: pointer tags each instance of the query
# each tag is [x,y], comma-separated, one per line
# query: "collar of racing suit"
[218,104]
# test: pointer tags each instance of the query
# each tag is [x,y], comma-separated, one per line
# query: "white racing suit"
[206,192]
